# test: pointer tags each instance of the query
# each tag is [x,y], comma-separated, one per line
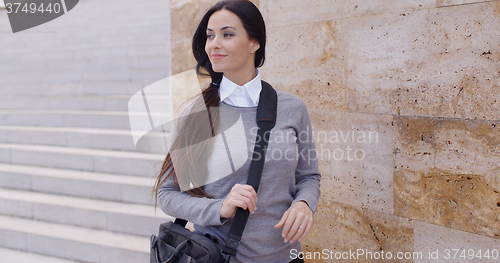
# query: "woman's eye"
[228,34]
[210,36]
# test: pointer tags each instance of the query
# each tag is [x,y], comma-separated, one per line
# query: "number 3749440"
[455,253]
[33,8]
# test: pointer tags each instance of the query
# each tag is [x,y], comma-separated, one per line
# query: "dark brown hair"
[253,22]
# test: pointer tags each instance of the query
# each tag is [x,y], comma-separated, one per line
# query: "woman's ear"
[255,45]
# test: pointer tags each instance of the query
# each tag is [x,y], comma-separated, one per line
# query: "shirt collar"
[253,87]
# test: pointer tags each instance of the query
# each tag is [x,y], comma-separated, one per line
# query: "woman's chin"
[218,69]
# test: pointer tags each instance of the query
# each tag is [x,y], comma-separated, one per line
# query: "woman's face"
[228,45]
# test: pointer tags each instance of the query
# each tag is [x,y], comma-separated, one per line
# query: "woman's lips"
[217,56]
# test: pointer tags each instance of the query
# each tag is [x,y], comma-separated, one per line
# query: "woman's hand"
[296,222]
[241,195]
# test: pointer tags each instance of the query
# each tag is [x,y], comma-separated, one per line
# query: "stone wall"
[404,97]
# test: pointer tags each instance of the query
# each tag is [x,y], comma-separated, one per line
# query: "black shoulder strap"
[266,119]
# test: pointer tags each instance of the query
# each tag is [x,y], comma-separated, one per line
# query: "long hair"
[253,22]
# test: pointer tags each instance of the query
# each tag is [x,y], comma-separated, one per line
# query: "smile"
[217,56]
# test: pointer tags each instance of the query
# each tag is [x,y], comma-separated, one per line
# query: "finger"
[240,203]
[252,205]
[250,193]
[287,227]
[282,221]
[248,188]
[294,229]
[254,201]
[297,235]
[308,228]
[248,197]
[248,202]
[240,188]
[300,231]
[253,195]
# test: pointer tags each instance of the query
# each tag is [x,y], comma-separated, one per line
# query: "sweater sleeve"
[200,211]
[307,175]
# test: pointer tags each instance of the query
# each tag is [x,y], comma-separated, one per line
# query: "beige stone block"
[186,15]
[452,245]
[447,173]
[183,61]
[182,56]
[356,8]
[292,12]
[496,5]
[308,60]
[185,86]
[427,62]
[356,158]
[441,3]
[339,228]
[379,47]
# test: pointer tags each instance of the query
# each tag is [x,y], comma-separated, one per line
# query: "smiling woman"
[229,46]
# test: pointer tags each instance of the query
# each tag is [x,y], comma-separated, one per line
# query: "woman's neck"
[242,78]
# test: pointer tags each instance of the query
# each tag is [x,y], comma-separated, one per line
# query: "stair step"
[89,74]
[129,189]
[68,136]
[112,51]
[82,103]
[74,118]
[68,118]
[74,88]
[115,162]
[96,214]
[71,242]
[17,256]
[109,139]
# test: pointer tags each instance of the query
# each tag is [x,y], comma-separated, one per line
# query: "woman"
[229,46]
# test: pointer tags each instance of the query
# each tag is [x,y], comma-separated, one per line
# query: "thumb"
[281,223]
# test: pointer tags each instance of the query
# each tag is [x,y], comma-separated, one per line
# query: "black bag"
[176,244]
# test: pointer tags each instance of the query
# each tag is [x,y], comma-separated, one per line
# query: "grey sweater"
[290,175]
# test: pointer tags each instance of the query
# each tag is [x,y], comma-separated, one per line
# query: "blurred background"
[421,75]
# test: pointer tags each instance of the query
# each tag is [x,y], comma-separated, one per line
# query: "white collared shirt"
[241,96]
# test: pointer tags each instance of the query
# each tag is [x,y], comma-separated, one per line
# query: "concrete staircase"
[89,205]
[16,256]
[72,186]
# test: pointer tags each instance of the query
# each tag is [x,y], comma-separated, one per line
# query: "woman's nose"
[216,43]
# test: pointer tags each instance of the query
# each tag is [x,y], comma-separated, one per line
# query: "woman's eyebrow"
[222,28]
